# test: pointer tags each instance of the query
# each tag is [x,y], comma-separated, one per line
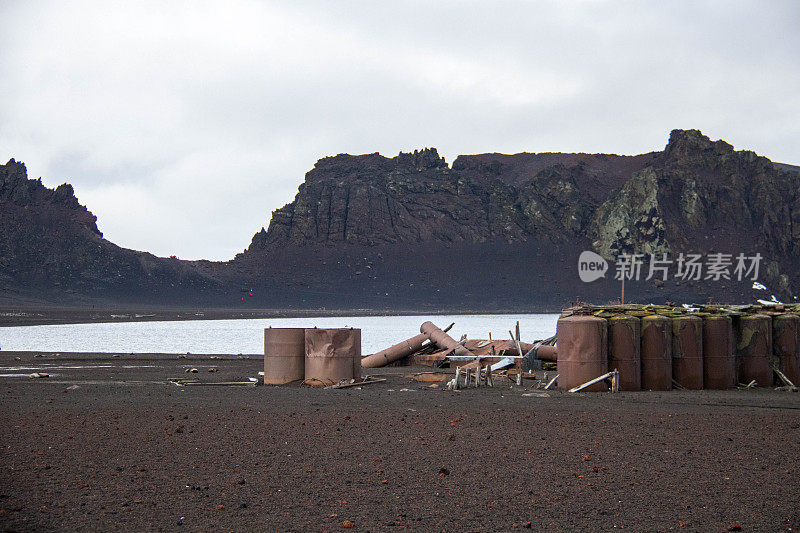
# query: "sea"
[246,336]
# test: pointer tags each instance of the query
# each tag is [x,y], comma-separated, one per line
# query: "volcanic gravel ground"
[127,450]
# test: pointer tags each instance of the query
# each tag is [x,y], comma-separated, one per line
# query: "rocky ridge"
[695,196]
[489,232]
[52,251]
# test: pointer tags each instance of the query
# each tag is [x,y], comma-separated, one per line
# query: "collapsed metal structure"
[625,347]
[328,356]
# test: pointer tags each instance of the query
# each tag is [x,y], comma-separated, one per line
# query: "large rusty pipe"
[442,339]
[393,353]
[546,352]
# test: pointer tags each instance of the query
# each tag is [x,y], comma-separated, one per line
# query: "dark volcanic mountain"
[492,232]
[52,252]
[505,230]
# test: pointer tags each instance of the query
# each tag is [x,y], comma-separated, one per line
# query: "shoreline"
[48,316]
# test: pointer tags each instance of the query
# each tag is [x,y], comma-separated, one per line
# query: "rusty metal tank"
[332,355]
[687,352]
[656,353]
[393,353]
[754,349]
[624,351]
[284,355]
[582,351]
[786,345]
[719,360]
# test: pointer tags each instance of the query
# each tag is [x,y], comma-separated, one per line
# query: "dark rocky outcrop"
[51,251]
[695,196]
[492,232]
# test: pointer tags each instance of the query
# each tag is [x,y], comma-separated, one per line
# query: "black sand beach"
[128,450]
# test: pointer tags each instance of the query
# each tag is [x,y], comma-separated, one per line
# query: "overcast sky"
[182,125]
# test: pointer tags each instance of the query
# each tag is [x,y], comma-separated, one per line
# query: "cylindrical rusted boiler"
[284,355]
[442,339]
[656,353]
[624,351]
[393,353]
[687,352]
[332,355]
[786,345]
[582,351]
[754,349]
[719,361]
[546,352]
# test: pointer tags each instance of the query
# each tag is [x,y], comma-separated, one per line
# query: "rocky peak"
[427,158]
[12,172]
[692,144]
[347,167]
[18,190]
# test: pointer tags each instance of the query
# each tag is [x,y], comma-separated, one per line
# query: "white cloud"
[182,125]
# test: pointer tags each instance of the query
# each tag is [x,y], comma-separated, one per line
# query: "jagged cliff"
[695,196]
[51,251]
[416,197]
[492,232]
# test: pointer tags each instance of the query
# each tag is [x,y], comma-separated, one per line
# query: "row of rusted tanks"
[661,347]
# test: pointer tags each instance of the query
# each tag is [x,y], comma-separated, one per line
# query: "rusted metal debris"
[442,339]
[441,349]
[396,352]
[366,380]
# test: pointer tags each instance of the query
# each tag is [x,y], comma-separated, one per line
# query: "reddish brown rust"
[332,355]
[356,353]
[284,355]
[476,347]
[546,353]
[442,339]
[582,351]
[624,355]
[656,353]
[393,353]
[687,352]
[719,361]
[786,345]
[754,349]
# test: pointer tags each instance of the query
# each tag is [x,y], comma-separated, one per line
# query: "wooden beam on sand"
[782,376]
[597,380]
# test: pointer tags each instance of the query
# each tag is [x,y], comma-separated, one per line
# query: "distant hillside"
[52,252]
[509,228]
[789,168]
[492,232]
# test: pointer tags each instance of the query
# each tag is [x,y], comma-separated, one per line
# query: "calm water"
[247,336]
